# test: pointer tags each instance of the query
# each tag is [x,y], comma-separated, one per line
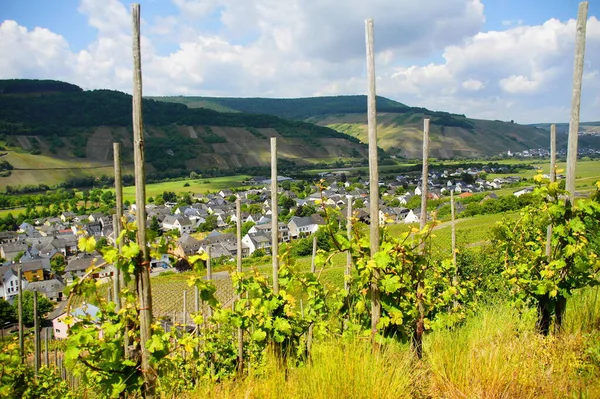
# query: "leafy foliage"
[572,263]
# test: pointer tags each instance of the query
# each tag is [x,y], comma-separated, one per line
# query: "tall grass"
[495,354]
[339,369]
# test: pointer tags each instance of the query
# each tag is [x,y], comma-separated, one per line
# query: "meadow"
[195,186]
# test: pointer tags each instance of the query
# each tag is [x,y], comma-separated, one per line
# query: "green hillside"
[399,126]
[71,132]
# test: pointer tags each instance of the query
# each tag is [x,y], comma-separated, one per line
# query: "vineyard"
[495,306]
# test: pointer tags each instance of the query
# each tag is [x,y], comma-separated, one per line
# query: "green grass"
[195,186]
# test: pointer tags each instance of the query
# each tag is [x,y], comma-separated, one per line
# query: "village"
[46,249]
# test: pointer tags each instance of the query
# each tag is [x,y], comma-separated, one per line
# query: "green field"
[587,174]
[195,186]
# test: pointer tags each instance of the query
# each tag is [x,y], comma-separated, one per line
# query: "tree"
[169,196]
[44,306]
[57,264]
[155,227]
[247,226]
[286,202]
[107,197]
[7,313]
[209,224]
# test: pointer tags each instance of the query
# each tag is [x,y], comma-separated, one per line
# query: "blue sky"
[63,17]
[496,59]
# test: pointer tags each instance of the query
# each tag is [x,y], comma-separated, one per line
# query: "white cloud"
[472,85]
[290,48]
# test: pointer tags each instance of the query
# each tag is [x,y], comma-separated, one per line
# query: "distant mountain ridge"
[399,125]
[62,121]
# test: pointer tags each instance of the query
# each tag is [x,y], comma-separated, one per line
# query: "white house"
[411,217]
[304,225]
[9,283]
[257,241]
[283,230]
[61,329]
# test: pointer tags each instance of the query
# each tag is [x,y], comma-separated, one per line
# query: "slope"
[399,126]
[76,128]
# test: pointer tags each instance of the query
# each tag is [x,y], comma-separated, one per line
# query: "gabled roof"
[80,264]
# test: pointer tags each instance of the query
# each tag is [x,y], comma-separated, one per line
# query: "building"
[61,329]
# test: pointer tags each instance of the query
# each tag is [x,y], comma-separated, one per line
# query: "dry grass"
[495,354]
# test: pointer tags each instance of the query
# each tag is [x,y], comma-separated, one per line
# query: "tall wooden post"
[36,334]
[144,290]
[197,308]
[274,216]
[117,278]
[349,252]
[313,267]
[576,98]
[453,215]
[20,310]
[46,354]
[373,175]
[238,225]
[425,177]
[454,263]
[209,273]
[420,327]
[184,316]
[552,180]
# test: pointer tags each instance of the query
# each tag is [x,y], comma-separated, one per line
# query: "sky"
[488,59]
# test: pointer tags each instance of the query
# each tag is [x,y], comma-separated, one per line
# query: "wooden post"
[46,354]
[373,175]
[240,335]
[274,216]
[144,290]
[425,177]
[197,308]
[552,153]
[348,270]
[209,274]
[20,310]
[117,278]
[552,180]
[238,225]
[184,317]
[313,267]
[454,263]
[36,334]
[420,327]
[576,98]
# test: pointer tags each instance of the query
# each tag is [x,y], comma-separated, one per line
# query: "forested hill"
[289,108]
[77,127]
[399,126]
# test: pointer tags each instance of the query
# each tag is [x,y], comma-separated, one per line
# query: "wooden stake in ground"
[20,310]
[552,180]
[209,274]
[454,263]
[238,235]
[348,253]
[373,175]
[425,174]
[143,272]
[313,267]
[117,218]
[420,327]
[274,216]
[576,98]
[37,360]
[46,354]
